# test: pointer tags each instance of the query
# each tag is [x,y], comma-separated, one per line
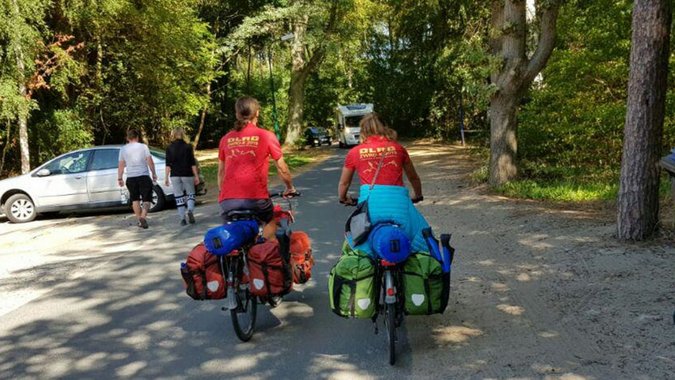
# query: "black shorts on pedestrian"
[263,209]
[140,188]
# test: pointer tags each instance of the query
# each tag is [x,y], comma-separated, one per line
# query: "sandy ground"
[551,288]
[538,291]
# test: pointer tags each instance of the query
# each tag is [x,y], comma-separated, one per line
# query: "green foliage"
[575,117]
[571,128]
[60,132]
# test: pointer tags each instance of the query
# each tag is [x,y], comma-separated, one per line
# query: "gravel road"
[538,292]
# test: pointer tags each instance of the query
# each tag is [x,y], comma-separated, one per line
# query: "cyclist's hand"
[289,192]
[166,181]
[348,201]
[196,181]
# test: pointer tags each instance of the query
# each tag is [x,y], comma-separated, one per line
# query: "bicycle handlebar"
[354,201]
[281,195]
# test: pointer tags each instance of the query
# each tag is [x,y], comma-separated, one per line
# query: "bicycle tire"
[249,306]
[390,320]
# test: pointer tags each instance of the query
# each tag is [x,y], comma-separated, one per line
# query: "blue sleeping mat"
[392,204]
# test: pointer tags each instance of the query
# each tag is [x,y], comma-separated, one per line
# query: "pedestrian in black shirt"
[181,167]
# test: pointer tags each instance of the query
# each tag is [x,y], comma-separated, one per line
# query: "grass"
[208,163]
[560,184]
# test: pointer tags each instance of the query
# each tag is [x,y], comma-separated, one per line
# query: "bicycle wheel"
[244,315]
[390,321]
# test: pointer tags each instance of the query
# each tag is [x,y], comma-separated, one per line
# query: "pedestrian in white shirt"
[137,159]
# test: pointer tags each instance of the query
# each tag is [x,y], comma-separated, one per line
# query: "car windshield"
[353,121]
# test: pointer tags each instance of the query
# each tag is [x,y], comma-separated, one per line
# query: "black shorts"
[262,208]
[140,187]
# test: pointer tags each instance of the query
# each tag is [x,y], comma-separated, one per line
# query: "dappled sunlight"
[293,309]
[499,287]
[549,334]
[511,309]
[337,366]
[569,376]
[455,334]
[236,365]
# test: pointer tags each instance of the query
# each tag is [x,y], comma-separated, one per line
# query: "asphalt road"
[122,312]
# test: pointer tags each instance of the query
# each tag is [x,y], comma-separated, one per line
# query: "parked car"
[317,136]
[78,180]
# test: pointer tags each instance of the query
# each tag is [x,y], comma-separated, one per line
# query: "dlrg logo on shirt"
[365,153]
[251,141]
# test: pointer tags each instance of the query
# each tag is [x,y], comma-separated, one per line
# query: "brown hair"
[133,134]
[246,109]
[372,125]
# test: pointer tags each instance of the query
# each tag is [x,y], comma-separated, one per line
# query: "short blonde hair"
[178,134]
[372,125]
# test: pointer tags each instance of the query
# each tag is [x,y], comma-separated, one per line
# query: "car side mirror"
[43,172]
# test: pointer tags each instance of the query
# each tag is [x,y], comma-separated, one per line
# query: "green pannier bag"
[425,287]
[351,287]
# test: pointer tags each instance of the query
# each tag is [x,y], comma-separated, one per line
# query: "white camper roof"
[356,109]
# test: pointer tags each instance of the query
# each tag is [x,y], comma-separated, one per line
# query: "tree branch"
[546,42]
[320,52]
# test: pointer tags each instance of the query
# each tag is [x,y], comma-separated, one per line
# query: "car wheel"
[19,208]
[158,199]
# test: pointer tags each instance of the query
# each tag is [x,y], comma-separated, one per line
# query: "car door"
[66,184]
[102,177]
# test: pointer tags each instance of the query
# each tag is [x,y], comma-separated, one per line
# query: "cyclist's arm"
[414,179]
[345,182]
[284,173]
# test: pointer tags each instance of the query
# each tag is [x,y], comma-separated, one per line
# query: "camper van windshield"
[353,121]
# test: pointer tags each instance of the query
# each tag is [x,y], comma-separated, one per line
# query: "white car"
[82,179]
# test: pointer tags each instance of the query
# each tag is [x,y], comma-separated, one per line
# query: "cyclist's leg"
[265,210]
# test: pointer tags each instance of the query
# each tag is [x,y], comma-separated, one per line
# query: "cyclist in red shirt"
[243,166]
[378,141]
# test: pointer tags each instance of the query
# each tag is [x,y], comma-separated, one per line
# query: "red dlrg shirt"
[365,157]
[246,155]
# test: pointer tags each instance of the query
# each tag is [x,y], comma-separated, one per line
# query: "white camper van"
[348,118]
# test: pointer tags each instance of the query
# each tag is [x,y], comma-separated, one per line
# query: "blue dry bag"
[390,242]
[224,239]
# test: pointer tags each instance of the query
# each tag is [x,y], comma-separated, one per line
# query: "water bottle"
[124,196]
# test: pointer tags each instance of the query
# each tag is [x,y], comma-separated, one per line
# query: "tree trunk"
[513,79]
[23,114]
[296,91]
[503,142]
[202,119]
[638,201]
[296,105]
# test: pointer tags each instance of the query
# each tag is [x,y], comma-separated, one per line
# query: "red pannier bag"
[202,275]
[302,260]
[269,274]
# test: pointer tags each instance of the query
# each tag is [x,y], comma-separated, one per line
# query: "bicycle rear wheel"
[390,321]
[244,315]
